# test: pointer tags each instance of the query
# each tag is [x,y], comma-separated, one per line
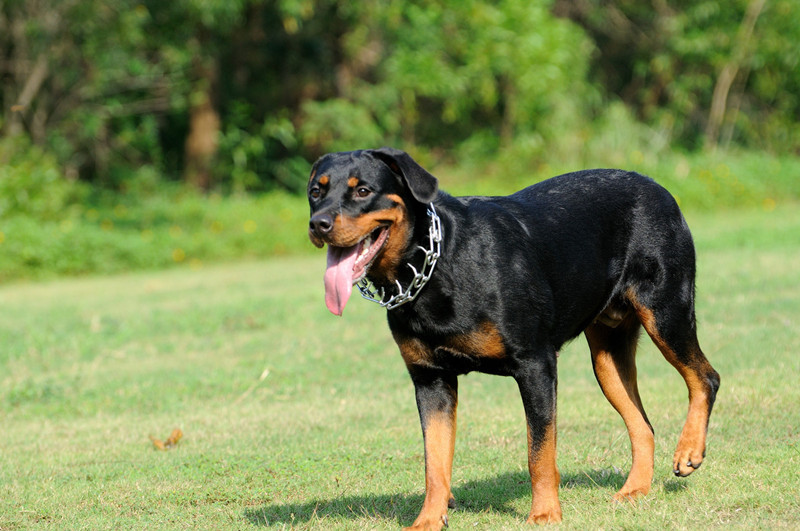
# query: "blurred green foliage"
[115,88]
[124,119]
[31,183]
[667,60]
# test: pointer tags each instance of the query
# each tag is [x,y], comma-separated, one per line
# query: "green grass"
[178,227]
[293,418]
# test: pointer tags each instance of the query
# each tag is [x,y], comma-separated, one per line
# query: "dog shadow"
[494,494]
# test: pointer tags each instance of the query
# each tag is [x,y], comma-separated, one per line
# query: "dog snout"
[321,224]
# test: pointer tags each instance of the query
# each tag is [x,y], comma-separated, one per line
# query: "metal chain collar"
[369,292]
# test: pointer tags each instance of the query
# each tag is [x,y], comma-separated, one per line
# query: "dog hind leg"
[614,362]
[670,323]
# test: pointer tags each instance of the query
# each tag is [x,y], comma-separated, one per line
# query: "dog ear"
[422,185]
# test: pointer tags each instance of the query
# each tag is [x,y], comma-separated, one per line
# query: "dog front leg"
[437,398]
[537,385]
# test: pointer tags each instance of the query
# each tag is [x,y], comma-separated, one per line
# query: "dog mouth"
[348,265]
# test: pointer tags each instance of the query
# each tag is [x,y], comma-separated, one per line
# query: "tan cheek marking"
[348,230]
[399,234]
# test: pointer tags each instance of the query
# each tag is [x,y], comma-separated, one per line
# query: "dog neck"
[420,277]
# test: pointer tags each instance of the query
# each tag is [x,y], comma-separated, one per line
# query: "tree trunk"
[719,99]
[202,142]
[33,83]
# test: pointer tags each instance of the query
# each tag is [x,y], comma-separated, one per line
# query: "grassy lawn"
[293,418]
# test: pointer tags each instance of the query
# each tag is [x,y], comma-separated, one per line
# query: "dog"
[499,284]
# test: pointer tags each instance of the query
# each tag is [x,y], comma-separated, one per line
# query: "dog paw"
[628,494]
[428,524]
[687,459]
[551,516]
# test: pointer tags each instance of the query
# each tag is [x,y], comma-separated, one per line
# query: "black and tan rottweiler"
[499,284]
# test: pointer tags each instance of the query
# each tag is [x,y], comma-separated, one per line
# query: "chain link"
[435,236]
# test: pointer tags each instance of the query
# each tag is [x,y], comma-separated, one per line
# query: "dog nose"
[321,224]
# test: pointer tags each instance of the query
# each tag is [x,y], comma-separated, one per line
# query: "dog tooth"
[366,243]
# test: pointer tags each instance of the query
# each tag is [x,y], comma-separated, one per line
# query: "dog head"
[363,206]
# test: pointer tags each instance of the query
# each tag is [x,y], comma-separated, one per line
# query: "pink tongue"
[339,277]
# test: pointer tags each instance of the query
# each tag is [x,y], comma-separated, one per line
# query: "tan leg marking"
[545,508]
[440,437]
[692,443]
[620,387]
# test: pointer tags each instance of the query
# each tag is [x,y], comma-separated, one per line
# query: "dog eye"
[315,192]
[363,191]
